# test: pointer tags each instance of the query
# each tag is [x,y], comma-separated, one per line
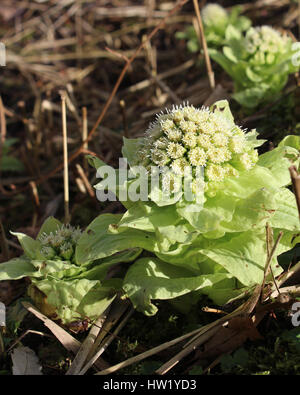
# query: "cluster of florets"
[213,14]
[264,43]
[187,137]
[61,243]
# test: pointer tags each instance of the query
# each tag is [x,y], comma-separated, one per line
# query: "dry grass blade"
[118,308]
[106,343]
[146,354]
[187,350]
[86,346]
[67,340]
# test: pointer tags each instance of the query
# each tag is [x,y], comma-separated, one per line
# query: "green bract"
[63,288]
[217,246]
[259,62]
[216,21]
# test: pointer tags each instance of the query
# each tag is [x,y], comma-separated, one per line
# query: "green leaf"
[151,279]
[95,302]
[232,33]
[100,267]
[130,148]
[50,225]
[252,212]
[17,268]
[291,141]
[30,246]
[65,296]
[98,241]
[207,219]
[286,214]
[250,181]
[222,107]
[228,52]
[278,162]
[57,269]
[243,256]
[254,77]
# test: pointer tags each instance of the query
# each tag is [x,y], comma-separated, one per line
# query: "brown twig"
[295,177]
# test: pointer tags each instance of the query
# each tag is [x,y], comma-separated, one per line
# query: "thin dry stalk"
[268,263]
[124,118]
[296,185]
[85,180]
[18,340]
[84,136]
[270,242]
[2,128]
[65,153]
[210,72]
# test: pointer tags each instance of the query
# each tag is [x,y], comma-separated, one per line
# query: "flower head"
[263,40]
[213,14]
[186,136]
[61,243]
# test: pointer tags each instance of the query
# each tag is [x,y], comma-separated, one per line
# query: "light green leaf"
[30,246]
[222,107]
[232,33]
[278,163]
[243,256]
[50,225]
[228,52]
[95,302]
[99,241]
[286,214]
[17,268]
[130,149]
[291,141]
[100,267]
[151,279]
[65,296]
[57,269]
[252,212]
[250,181]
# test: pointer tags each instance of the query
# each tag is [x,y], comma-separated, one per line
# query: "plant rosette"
[60,287]
[216,20]
[216,247]
[259,62]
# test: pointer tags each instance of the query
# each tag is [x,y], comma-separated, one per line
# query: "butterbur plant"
[217,246]
[259,62]
[60,287]
[216,20]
